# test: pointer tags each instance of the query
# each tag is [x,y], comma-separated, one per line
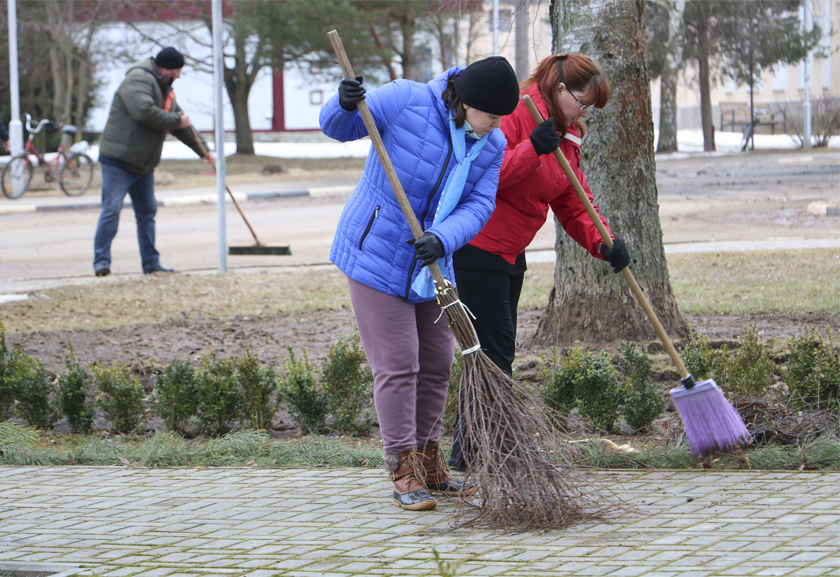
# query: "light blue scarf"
[424,285]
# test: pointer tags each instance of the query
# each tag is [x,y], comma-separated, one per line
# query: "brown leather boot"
[438,479]
[407,473]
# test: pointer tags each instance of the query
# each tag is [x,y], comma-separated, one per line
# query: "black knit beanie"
[489,85]
[169,58]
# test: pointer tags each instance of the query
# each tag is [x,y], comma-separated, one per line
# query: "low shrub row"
[589,383]
[213,398]
[219,395]
[806,373]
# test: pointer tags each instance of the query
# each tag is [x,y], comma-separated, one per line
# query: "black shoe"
[104,271]
[419,500]
[158,268]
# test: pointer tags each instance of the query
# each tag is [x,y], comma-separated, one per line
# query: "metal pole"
[15,125]
[495,27]
[218,86]
[807,64]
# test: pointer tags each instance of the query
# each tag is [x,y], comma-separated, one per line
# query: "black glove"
[545,137]
[617,256]
[428,247]
[350,92]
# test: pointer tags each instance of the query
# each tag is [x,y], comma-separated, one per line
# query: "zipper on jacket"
[425,212]
[369,226]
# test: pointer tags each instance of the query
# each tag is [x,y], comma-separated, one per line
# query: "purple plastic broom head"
[711,422]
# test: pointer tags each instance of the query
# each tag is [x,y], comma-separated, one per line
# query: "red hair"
[577,72]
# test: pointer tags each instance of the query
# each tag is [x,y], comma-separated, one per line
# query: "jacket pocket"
[369,226]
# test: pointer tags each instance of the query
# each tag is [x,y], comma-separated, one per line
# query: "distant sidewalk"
[184,197]
[548,255]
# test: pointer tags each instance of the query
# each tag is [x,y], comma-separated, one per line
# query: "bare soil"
[268,337]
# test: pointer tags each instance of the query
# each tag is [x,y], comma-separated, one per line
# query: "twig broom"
[507,427]
[711,422]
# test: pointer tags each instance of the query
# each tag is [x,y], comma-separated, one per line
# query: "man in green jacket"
[143,111]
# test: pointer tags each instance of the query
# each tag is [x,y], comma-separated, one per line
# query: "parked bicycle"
[73,169]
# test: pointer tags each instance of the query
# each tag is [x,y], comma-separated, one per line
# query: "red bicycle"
[72,169]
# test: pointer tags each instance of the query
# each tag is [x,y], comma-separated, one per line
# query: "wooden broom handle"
[376,139]
[605,236]
[233,198]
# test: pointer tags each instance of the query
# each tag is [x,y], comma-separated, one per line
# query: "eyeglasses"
[582,105]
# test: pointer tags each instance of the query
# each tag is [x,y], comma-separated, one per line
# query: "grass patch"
[158,298]
[704,283]
[755,282]
[24,446]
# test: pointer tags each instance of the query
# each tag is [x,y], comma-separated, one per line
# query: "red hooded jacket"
[529,184]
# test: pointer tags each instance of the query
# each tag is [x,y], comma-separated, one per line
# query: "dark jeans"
[493,297]
[116,182]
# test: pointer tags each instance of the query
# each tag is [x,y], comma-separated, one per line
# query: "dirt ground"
[269,337]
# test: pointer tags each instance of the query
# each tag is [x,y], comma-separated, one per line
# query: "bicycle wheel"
[76,174]
[16,177]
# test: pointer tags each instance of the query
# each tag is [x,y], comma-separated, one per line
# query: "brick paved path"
[121,522]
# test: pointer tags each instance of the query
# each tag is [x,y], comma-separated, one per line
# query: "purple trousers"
[411,359]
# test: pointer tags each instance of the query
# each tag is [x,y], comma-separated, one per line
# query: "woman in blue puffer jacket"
[443,140]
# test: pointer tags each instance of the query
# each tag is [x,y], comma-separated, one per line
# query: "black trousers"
[493,297]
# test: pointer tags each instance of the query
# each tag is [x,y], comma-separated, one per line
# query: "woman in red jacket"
[490,269]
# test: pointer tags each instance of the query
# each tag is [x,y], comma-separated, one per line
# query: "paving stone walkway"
[121,522]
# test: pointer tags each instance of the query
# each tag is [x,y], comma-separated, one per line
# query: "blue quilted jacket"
[370,243]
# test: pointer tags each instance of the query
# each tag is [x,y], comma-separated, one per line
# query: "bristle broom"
[711,422]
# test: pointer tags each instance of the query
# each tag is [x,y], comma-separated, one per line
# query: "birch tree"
[668,77]
[588,301]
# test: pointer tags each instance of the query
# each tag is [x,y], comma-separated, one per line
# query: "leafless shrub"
[825,120]
[778,422]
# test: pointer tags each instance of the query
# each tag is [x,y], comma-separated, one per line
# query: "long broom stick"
[233,198]
[711,422]
[506,426]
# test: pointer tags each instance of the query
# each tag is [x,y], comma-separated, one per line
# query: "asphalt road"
[702,198]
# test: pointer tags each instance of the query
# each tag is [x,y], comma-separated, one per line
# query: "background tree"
[664,47]
[700,44]
[742,37]
[588,301]
[756,35]
[58,32]
[258,34]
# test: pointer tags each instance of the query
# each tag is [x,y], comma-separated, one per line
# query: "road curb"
[177,201]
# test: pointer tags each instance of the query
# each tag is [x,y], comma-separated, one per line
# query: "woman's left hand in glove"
[617,256]
[428,247]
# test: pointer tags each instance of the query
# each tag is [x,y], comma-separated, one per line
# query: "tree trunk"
[55,30]
[667,111]
[238,94]
[238,83]
[408,27]
[704,78]
[588,301]
[668,82]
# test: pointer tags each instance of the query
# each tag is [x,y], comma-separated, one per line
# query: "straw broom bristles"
[515,450]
